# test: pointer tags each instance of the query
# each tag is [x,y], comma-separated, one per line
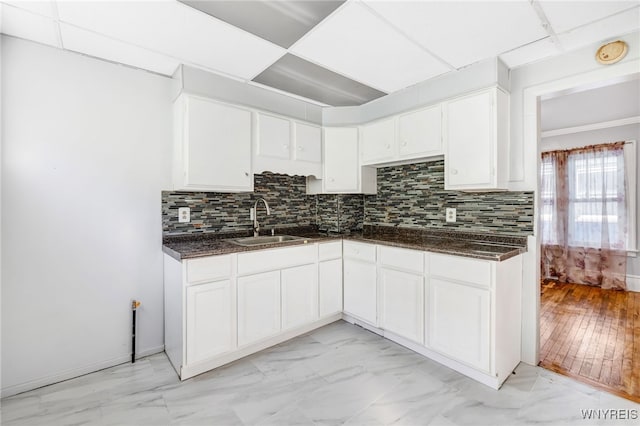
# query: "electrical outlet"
[184,214]
[451,214]
[252,213]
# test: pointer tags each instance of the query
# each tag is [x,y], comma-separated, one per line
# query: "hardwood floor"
[592,335]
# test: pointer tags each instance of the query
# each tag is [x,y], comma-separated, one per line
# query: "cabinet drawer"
[327,251]
[408,260]
[361,251]
[461,269]
[208,268]
[273,259]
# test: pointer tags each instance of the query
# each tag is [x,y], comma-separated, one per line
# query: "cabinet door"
[341,159]
[360,296]
[210,325]
[308,141]
[299,295]
[258,307]
[378,141]
[402,304]
[274,136]
[459,321]
[216,146]
[420,133]
[330,287]
[471,141]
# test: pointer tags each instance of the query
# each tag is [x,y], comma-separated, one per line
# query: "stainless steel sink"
[266,239]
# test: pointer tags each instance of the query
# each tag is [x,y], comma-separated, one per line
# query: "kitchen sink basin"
[265,239]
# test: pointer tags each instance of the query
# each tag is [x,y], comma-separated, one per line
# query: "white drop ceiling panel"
[24,24]
[93,44]
[531,52]
[176,30]
[43,8]
[464,32]
[565,15]
[356,43]
[606,29]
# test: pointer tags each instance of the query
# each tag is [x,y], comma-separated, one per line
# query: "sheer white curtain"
[583,221]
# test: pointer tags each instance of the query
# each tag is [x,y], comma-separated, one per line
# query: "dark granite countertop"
[482,245]
[476,245]
[189,246]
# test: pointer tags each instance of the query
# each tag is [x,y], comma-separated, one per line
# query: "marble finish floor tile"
[338,374]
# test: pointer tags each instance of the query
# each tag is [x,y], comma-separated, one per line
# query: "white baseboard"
[75,372]
[633,283]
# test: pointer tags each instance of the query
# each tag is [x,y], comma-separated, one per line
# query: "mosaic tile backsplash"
[409,196]
[290,207]
[413,196]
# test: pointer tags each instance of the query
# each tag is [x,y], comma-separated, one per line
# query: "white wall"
[573,69]
[613,134]
[86,147]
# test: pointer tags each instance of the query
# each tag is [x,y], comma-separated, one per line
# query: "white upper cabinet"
[341,159]
[411,136]
[287,146]
[476,139]
[308,142]
[342,172]
[378,141]
[420,133]
[212,146]
[273,136]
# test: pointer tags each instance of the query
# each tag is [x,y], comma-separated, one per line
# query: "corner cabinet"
[330,278]
[476,139]
[212,146]
[342,171]
[360,289]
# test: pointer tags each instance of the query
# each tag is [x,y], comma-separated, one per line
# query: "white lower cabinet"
[360,296]
[462,312]
[402,306]
[299,288]
[330,286]
[221,308]
[258,307]
[209,320]
[459,322]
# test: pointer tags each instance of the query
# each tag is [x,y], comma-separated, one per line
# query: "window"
[598,210]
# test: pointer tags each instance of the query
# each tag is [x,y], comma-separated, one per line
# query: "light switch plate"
[451,214]
[184,214]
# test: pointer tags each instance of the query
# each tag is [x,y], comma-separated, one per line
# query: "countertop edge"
[232,248]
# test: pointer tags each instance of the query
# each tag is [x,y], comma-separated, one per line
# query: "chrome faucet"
[256,225]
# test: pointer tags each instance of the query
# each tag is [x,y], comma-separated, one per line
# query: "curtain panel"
[583,218]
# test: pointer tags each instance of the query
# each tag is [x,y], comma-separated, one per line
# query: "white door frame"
[531,138]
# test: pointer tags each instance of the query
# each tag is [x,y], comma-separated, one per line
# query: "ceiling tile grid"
[464,32]
[93,44]
[334,52]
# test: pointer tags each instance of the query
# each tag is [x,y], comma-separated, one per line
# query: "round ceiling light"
[611,53]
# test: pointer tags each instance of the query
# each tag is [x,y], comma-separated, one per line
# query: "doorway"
[586,332]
